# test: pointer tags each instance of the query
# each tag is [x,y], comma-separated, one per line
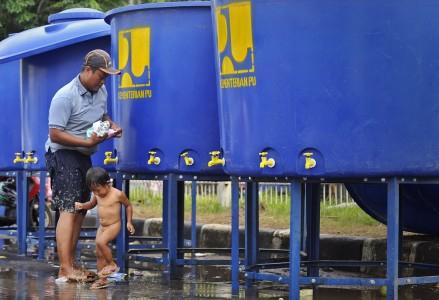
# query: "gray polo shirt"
[74,109]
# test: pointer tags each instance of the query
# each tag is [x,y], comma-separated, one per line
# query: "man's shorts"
[67,170]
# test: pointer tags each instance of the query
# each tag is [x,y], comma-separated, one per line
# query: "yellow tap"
[19,158]
[110,160]
[31,158]
[309,161]
[215,160]
[265,161]
[153,159]
[189,161]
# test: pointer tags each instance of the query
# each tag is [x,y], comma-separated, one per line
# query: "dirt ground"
[327,225]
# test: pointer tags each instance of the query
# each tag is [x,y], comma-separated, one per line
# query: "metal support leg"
[165,213]
[313,225]
[175,199]
[194,242]
[400,230]
[41,216]
[251,227]
[22,211]
[235,236]
[180,217]
[304,221]
[295,232]
[122,237]
[392,238]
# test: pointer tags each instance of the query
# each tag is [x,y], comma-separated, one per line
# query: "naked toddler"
[108,200]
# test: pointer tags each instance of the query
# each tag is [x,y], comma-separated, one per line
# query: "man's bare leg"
[78,219]
[64,232]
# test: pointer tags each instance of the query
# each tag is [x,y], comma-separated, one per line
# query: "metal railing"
[332,194]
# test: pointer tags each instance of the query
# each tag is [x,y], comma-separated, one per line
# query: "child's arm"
[87,205]
[129,211]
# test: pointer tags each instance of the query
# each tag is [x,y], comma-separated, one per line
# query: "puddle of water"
[25,278]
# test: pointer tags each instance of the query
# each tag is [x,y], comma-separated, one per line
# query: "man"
[74,109]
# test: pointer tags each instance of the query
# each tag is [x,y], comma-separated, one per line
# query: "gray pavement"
[27,278]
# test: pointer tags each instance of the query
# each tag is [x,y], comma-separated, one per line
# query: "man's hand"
[95,139]
[117,130]
[130,228]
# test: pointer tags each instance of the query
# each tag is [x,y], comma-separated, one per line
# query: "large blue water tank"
[10,134]
[419,210]
[51,56]
[334,89]
[166,95]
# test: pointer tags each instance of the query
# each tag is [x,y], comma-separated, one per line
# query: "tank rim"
[147,6]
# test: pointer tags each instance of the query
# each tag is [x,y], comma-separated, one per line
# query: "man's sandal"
[91,276]
[77,276]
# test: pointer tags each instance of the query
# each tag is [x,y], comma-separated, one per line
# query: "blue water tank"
[335,90]
[419,208]
[166,95]
[324,88]
[51,56]
[10,134]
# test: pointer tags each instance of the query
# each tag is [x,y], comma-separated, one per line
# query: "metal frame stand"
[41,216]
[251,227]
[22,214]
[22,211]
[122,240]
[311,229]
[172,244]
[43,235]
[175,230]
[235,236]
[304,226]
[21,231]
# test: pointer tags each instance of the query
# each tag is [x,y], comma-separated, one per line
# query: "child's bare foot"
[108,270]
[100,284]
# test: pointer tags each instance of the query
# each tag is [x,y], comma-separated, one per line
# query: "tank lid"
[50,37]
[110,14]
[75,14]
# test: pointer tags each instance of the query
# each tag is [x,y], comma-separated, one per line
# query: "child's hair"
[97,176]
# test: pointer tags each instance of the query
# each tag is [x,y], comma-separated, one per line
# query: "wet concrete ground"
[27,278]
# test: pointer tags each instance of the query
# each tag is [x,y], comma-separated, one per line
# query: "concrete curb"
[420,249]
[415,249]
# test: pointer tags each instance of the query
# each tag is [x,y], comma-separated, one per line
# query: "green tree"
[18,15]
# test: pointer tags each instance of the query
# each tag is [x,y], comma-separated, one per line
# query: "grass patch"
[344,220]
[205,205]
[349,220]
[347,215]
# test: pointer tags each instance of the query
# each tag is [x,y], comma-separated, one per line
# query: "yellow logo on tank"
[135,63]
[235,45]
